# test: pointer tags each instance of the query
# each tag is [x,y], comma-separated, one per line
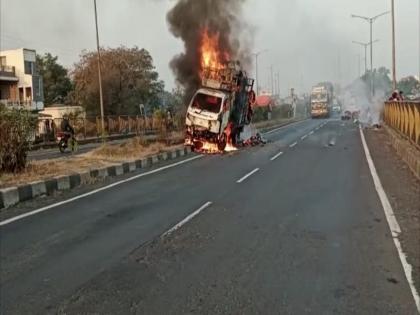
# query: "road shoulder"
[403,190]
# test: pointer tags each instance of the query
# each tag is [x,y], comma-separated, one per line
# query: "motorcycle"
[63,139]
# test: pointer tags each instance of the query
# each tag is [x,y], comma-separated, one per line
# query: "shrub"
[17,127]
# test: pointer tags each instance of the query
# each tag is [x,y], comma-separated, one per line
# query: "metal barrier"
[90,127]
[404,117]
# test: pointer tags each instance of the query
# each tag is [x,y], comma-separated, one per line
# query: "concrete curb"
[408,152]
[10,196]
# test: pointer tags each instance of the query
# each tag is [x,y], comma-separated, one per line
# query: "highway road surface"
[292,227]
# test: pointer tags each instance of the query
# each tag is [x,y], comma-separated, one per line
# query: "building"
[20,84]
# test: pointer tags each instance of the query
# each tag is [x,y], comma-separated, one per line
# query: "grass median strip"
[108,156]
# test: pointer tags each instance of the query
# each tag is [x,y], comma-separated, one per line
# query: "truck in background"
[219,110]
[322,96]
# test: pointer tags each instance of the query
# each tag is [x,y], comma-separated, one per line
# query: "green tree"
[17,128]
[57,83]
[128,80]
[409,85]
[381,80]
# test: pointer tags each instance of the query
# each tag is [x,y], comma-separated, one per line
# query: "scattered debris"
[254,141]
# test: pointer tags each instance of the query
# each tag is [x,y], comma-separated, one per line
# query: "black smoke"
[189,18]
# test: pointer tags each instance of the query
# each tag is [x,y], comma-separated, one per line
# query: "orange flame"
[211,54]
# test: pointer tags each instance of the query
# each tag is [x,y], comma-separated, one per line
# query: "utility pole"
[272,80]
[365,46]
[358,56]
[101,97]
[370,20]
[257,54]
[394,67]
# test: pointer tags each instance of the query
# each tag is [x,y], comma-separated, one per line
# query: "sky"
[307,41]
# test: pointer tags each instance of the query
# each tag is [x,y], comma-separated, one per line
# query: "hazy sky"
[307,40]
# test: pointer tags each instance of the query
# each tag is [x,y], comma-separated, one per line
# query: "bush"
[17,127]
[260,114]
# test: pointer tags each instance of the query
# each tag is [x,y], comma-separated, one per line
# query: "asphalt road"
[302,232]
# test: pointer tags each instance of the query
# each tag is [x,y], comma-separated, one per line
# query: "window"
[207,102]
[2,61]
[29,67]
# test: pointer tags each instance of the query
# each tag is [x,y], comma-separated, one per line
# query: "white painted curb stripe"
[248,175]
[304,137]
[311,133]
[188,218]
[392,222]
[293,145]
[276,156]
[28,214]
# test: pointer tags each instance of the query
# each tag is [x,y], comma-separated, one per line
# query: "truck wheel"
[221,144]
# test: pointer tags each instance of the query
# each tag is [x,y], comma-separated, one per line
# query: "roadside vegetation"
[17,128]
[104,156]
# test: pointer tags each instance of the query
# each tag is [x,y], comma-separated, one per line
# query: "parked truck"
[220,108]
[322,96]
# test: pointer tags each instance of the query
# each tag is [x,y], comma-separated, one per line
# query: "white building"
[20,84]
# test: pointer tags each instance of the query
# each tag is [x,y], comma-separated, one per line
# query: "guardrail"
[404,117]
[90,127]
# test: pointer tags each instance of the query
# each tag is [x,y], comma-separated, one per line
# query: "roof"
[263,101]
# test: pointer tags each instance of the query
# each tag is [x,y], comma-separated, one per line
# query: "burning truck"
[220,108]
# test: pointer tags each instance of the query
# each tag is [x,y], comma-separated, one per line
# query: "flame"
[230,148]
[212,55]
[207,147]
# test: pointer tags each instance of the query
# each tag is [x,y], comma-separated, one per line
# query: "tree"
[57,84]
[128,80]
[409,85]
[17,126]
[381,80]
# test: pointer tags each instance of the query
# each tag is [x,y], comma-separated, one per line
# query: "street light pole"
[272,80]
[365,46]
[257,54]
[394,67]
[370,20]
[101,98]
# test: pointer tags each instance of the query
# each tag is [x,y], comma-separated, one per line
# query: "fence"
[404,117]
[90,127]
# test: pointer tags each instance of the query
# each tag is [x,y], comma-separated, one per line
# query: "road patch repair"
[52,176]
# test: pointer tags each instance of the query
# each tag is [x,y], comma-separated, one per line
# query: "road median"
[46,178]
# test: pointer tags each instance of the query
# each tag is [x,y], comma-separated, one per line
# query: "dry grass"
[103,156]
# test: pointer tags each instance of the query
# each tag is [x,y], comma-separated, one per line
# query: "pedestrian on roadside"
[394,97]
[53,129]
[47,128]
[401,96]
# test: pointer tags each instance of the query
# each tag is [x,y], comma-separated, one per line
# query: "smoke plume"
[188,19]
[356,98]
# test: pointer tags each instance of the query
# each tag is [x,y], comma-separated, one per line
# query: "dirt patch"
[403,190]
[106,155]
